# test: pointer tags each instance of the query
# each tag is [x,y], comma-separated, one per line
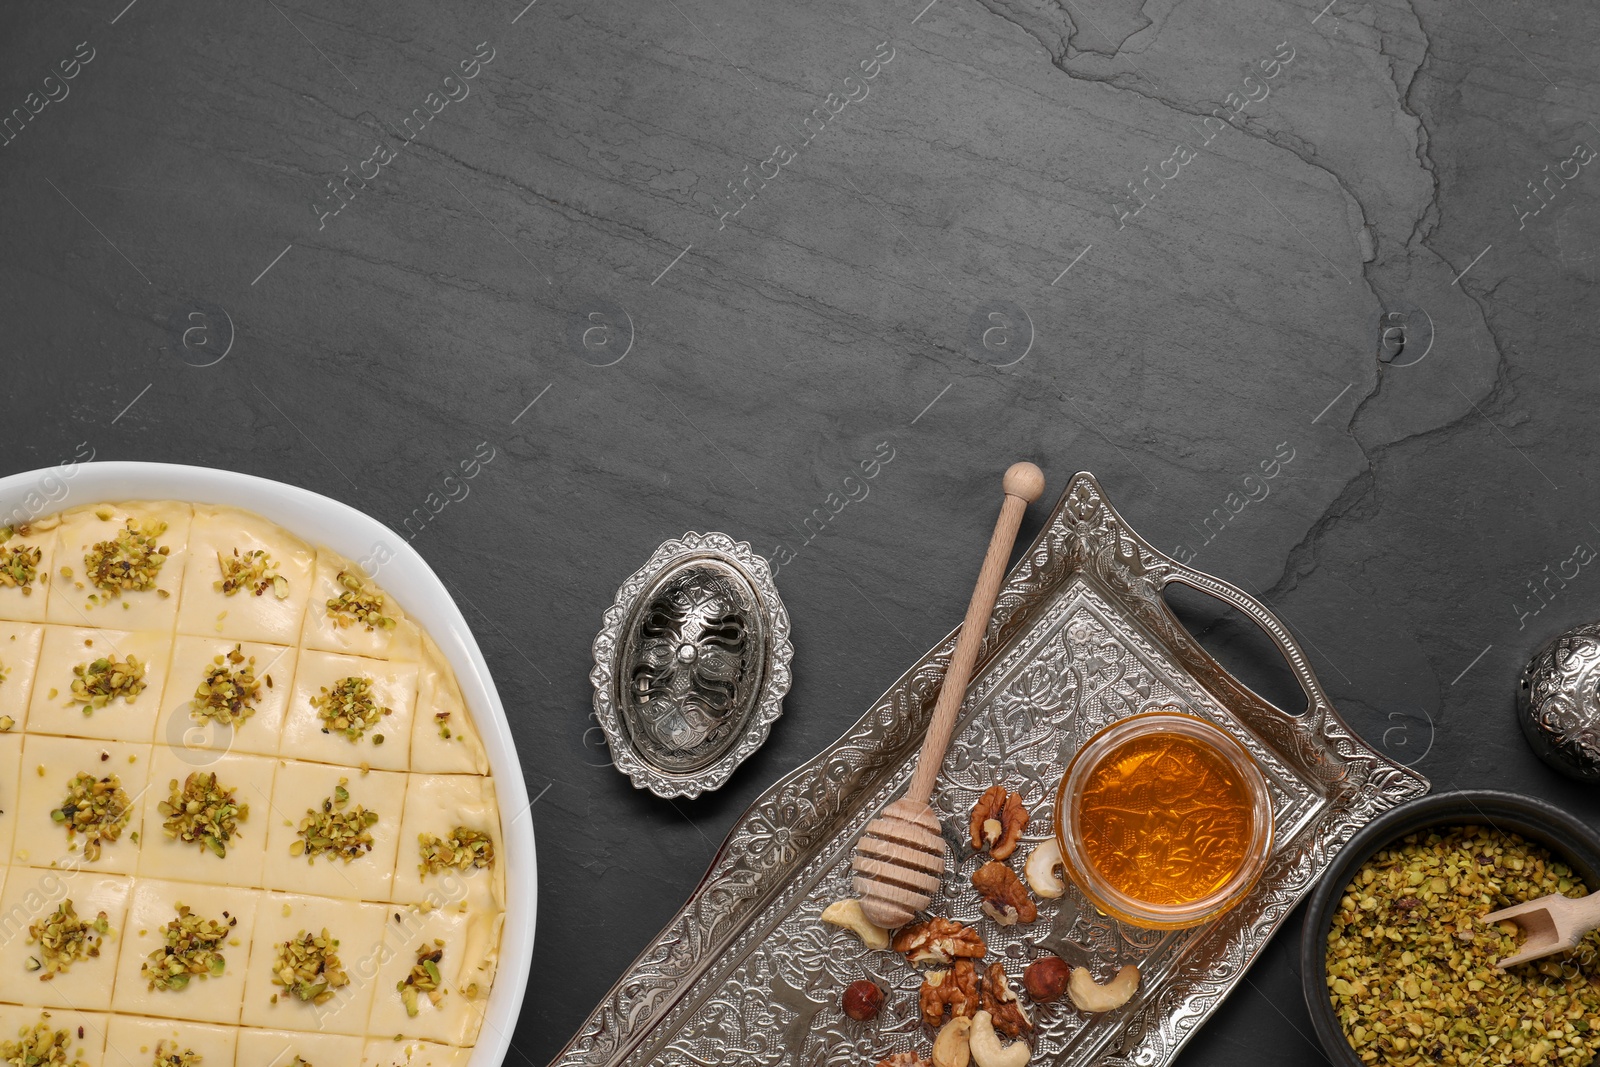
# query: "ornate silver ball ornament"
[1558,703]
[691,664]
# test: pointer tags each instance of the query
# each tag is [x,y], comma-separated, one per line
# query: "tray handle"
[1317,703]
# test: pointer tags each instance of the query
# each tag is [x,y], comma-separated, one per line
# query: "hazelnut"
[1046,978]
[862,1000]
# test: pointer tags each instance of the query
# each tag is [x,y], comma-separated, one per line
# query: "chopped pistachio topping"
[98,682]
[358,604]
[350,708]
[254,570]
[202,812]
[64,939]
[6,721]
[308,967]
[96,808]
[1411,967]
[443,719]
[170,1055]
[230,690]
[334,830]
[40,1045]
[19,566]
[193,946]
[131,560]
[463,849]
[424,978]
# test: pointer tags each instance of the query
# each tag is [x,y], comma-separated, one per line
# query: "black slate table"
[686,264]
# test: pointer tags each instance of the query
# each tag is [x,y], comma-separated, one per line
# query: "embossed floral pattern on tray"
[747,973]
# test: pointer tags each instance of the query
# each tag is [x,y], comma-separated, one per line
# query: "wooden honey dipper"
[899,860]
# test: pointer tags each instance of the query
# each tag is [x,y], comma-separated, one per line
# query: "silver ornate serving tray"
[746,973]
[691,664]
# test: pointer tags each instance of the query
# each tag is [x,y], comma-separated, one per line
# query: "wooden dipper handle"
[900,858]
[1023,484]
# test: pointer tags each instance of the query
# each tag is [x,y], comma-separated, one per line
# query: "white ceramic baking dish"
[403,574]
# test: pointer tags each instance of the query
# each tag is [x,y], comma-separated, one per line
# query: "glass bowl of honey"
[1164,820]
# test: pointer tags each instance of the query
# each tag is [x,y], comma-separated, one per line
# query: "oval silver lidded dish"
[691,664]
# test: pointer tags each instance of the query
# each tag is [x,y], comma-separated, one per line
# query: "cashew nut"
[1041,870]
[848,914]
[1089,995]
[987,1050]
[952,1048]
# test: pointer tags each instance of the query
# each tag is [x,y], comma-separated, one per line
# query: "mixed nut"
[979,1016]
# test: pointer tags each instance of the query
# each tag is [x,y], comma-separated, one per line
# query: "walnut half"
[1000,1001]
[955,988]
[997,822]
[939,941]
[1004,898]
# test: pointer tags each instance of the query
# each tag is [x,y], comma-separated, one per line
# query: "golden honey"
[1165,819]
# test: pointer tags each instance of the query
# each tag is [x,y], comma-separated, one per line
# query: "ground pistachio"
[202,812]
[349,708]
[1411,968]
[308,967]
[98,682]
[129,561]
[40,1045]
[96,808]
[424,978]
[230,690]
[463,849]
[334,829]
[172,1055]
[358,604]
[443,719]
[64,939]
[19,566]
[192,946]
[253,570]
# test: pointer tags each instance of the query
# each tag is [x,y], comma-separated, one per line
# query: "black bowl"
[1564,836]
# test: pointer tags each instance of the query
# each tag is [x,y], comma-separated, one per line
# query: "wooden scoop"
[1553,924]
[899,860]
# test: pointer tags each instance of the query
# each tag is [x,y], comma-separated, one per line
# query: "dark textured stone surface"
[585,173]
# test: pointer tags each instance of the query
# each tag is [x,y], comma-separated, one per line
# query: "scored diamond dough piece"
[132,1042]
[206,611]
[439,694]
[41,841]
[31,897]
[436,804]
[32,606]
[278,1048]
[10,791]
[192,660]
[393,685]
[90,1048]
[151,906]
[387,1052]
[322,631]
[19,659]
[245,855]
[469,958]
[359,930]
[300,786]
[76,602]
[121,719]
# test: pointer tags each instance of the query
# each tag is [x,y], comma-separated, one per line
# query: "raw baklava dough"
[247,819]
